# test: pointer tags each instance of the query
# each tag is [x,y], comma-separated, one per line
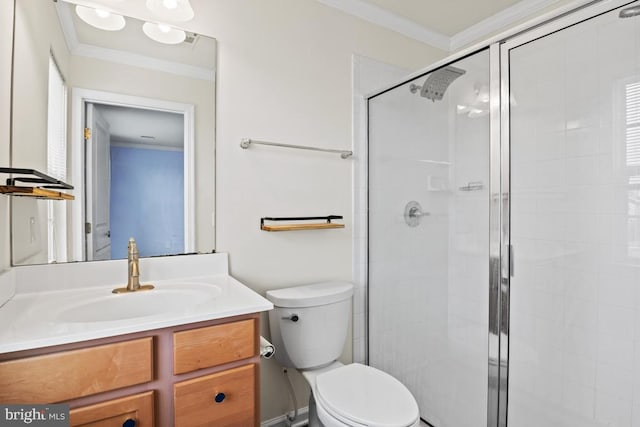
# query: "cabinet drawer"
[114,413]
[195,400]
[205,347]
[70,374]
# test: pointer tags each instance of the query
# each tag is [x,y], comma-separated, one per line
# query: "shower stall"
[504,227]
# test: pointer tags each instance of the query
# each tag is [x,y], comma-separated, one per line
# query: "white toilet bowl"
[358,395]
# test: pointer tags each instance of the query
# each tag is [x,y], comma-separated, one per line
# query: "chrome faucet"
[133,282]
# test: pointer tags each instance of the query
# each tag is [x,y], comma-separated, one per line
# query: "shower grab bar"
[246,142]
[472,186]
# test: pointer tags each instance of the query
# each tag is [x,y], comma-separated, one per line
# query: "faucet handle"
[132,247]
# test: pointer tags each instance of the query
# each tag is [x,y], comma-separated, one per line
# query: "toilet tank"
[309,323]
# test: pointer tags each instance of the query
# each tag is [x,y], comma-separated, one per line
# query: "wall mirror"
[125,112]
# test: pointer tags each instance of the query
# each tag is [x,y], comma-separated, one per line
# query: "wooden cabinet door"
[67,375]
[224,399]
[130,411]
[214,345]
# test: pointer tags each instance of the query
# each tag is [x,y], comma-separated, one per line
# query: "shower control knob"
[413,213]
[293,318]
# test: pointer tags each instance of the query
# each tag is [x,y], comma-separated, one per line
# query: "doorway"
[135,167]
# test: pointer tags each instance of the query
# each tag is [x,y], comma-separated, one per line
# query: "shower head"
[437,83]
[630,11]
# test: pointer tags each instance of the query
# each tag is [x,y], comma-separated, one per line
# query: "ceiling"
[446,17]
[144,127]
[445,24]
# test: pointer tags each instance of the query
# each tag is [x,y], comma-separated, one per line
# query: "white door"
[98,177]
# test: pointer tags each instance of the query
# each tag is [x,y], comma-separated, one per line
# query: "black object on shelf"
[42,186]
[303,226]
[33,176]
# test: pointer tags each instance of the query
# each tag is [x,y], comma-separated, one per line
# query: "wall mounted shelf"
[47,189]
[41,193]
[300,226]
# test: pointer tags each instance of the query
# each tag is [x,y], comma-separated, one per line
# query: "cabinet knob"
[219,397]
[129,422]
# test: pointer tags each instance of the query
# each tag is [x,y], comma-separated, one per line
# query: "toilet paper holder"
[267,350]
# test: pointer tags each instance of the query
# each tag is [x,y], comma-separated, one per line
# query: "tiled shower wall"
[575,299]
[428,284]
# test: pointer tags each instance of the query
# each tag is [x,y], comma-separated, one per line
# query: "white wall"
[285,76]
[6,39]
[29,131]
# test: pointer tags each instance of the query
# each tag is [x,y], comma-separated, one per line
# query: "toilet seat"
[359,395]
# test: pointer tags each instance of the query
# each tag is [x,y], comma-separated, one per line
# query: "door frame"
[82,96]
[94,121]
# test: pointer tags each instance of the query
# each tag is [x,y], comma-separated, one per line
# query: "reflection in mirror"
[148,109]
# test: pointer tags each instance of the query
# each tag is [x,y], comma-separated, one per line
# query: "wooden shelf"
[46,189]
[301,226]
[294,227]
[41,193]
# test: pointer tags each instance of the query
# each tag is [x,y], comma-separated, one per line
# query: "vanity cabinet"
[222,399]
[204,373]
[66,375]
[130,411]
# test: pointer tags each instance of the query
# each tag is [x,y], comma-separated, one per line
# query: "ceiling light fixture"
[163,33]
[171,10]
[100,18]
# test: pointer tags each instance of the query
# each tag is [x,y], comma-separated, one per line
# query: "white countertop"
[37,319]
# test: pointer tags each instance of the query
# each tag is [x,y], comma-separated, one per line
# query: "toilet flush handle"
[294,317]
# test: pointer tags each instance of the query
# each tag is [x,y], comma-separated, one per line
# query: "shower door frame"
[500,251]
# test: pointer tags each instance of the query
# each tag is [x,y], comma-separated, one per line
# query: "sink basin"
[161,300]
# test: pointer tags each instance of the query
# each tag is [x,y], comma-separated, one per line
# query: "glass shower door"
[429,239]
[574,354]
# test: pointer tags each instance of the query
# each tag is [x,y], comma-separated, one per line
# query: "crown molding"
[142,61]
[123,57]
[66,23]
[126,143]
[499,21]
[384,18]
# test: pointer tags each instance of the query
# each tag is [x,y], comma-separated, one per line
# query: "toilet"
[308,328]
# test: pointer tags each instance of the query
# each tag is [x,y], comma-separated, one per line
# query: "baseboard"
[301,420]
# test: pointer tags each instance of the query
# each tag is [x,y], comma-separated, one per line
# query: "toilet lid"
[365,395]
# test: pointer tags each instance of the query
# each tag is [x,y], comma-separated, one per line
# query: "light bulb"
[100,18]
[171,10]
[163,33]
[170,4]
[103,13]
